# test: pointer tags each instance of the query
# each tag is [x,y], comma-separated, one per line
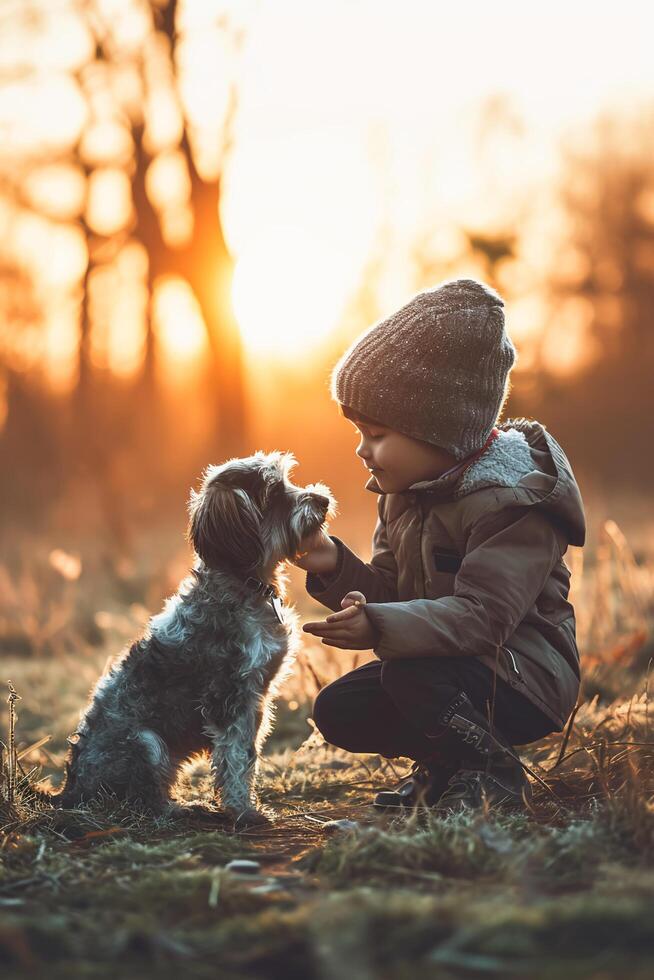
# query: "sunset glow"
[288,292]
[367,186]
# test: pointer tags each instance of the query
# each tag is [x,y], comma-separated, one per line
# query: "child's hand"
[317,554]
[349,629]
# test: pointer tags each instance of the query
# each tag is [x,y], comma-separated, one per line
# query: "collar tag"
[276,603]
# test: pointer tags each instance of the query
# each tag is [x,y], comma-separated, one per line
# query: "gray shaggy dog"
[205,674]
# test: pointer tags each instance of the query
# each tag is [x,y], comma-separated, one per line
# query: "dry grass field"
[337,890]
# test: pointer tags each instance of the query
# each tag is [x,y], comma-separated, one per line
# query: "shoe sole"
[415,807]
[392,804]
[404,806]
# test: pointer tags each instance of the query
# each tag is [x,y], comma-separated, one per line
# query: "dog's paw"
[250,817]
[194,811]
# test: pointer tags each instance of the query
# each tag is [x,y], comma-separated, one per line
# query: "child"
[464,601]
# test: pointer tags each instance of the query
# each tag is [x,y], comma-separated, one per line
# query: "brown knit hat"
[437,369]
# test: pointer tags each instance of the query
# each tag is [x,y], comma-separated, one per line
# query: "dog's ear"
[225,527]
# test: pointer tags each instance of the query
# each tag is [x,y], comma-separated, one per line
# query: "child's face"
[396,460]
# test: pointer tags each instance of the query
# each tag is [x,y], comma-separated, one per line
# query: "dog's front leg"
[234,762]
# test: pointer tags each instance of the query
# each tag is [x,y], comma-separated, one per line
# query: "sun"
[288,293]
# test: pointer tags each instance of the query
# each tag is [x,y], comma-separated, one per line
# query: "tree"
[601,297]
[136,120]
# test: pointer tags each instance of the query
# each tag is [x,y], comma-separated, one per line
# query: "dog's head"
[248,515]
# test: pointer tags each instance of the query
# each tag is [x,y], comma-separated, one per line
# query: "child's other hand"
[352,599]
[349,629]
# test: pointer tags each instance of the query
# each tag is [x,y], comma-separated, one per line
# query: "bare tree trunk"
[207,266]
[82,398]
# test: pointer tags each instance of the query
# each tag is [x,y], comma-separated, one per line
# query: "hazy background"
[202,204]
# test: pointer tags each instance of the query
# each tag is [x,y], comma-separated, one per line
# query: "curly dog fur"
[205,673]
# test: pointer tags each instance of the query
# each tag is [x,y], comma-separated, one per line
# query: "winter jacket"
[471,564]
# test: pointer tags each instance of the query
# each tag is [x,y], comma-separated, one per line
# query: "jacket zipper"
[512,658]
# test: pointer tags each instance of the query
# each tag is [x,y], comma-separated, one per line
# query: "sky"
[357,114]
[363,127]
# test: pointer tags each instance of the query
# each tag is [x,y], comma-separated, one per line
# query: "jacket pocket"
[552,604]
[446,560]
[569,627]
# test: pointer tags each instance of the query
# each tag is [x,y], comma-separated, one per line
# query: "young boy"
[464,601]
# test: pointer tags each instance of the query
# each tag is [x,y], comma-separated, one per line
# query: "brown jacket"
[472,565]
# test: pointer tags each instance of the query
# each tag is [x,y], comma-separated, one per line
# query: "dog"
[205,673]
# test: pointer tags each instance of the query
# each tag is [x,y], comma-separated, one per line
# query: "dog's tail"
[60,798]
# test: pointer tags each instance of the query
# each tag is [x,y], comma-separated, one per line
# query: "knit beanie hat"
[437,369]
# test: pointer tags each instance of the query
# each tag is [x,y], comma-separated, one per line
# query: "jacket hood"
[525,457]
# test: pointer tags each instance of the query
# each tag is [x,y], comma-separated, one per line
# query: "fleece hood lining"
[506,461]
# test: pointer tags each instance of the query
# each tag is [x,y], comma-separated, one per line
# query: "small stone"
[267,888]
[340,826]
[243,867]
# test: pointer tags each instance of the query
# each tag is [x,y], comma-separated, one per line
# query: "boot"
[490,770]
[503,787]
[423,786]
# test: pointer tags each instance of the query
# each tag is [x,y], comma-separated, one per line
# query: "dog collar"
[258,586]
[269,592]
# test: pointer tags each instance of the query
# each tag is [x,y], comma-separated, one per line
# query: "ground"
[565,890]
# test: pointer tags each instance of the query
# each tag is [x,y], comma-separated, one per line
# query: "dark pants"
[389,707]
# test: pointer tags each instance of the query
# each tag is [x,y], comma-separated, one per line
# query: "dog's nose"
[320,499]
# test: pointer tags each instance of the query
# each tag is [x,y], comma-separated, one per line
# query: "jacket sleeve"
[508,560]
[376,579]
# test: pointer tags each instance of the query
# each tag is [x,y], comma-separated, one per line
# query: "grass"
[564,890]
